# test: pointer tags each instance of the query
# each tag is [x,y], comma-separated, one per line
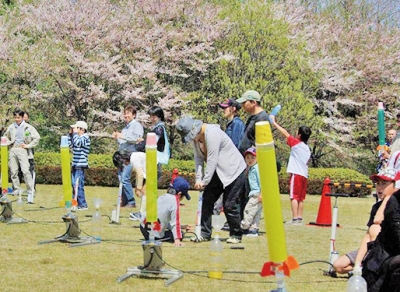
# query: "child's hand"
[190,228]
[178,242]
[138,192]
[272,118]
[260,198]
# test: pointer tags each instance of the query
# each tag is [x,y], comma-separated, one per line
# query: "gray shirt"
[220,155]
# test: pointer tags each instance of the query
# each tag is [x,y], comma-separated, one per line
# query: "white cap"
[80,124]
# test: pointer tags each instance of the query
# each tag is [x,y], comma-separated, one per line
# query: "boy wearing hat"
[253,209]
[168,213]
[224,174]
[79,142]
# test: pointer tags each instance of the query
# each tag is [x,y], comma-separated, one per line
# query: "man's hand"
[199,186]
[117,135]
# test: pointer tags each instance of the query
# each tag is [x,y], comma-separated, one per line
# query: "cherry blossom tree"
[87,59]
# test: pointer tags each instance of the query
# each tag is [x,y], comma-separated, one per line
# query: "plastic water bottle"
[19,206]
[276,110]
[356,283]
[96,225]
[215,270]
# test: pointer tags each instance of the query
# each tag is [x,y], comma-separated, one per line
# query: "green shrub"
[103,173]
[336,175]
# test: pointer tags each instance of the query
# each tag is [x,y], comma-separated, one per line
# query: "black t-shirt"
[374,209]
[249,135]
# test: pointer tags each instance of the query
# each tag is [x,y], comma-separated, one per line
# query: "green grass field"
[29,266]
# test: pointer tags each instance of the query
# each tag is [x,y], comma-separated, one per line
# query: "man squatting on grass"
[384,182]
[381,264]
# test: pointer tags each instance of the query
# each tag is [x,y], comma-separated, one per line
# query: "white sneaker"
[233,240]
[135,216]
[30,197]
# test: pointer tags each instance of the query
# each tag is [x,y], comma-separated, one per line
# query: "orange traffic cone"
[324,217]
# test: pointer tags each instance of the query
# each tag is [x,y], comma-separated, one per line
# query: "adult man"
[127,140]
[381,265]
[250,101]
[395,146]
[224,173]
[22,137]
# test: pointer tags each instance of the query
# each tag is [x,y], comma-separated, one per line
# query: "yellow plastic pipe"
[151,178]
[275,233]
[66,171]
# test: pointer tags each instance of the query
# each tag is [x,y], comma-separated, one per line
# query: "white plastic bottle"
[357,283]
[19,206]
[96,225]
[215,270]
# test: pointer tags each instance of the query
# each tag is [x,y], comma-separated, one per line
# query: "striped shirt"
[80,146]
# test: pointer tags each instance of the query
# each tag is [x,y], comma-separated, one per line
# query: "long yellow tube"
[4,164]
[151,178]
[66,171]
[275,233]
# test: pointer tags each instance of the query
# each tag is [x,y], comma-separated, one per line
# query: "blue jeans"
[79,173]
[125,178]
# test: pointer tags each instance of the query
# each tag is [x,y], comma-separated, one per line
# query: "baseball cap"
[249,95]
[388,174]
[181,185]
[251,150]
[188,128]
[80,124]
[230,102]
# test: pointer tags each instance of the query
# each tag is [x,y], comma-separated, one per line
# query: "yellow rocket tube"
[4,164]
[66,171]
[151,178]
[275,233]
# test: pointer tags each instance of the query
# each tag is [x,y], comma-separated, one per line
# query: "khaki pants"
[252,214]
[18,158]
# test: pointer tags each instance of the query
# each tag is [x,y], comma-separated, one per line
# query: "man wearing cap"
[22,138]
[79,142]
[381,265]
[169,228]
[235,126]
[385,183]
[250,102]
[224,173]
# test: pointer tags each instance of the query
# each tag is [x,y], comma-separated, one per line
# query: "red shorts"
[298,187]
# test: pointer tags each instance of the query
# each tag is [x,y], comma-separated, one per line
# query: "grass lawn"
[28,266]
